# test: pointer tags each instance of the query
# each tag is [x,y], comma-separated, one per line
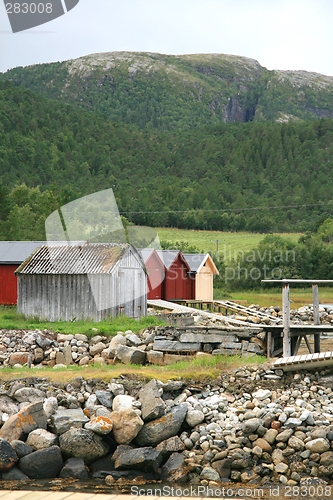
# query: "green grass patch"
[227,244]
[11,320]
[273,297]
[198,369]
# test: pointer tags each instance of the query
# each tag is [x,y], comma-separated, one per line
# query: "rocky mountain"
[170,92]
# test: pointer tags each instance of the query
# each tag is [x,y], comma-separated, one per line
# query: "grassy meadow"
[265,298]
[227,244]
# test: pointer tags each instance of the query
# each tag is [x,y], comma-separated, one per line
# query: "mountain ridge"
[170,92]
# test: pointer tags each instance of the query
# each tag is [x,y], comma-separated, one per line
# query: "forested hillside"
[243,176]
[165,92]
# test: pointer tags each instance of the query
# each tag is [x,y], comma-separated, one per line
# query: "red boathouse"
[12,254]
[179,279]
[156,273]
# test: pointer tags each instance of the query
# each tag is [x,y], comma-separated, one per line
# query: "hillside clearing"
[227,244]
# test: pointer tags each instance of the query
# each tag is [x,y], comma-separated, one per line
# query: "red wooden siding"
[8,284]
[178,283]
[156,275]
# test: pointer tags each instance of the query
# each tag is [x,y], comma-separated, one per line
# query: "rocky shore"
[255,426]
[157,345]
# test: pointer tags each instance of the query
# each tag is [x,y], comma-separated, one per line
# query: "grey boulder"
[174,470]
[162,428]
[8,456]
[74,468]
[152,405]
[42,464]
[145,459]
[82,443]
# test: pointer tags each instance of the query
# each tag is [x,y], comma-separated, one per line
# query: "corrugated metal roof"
[86,259]
[15,252]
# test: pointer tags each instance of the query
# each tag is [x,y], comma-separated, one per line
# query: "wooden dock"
[304,362]
[173,306]
[62,495]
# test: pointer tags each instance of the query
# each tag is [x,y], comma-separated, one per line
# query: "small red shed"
[12,254]
[156,273]
[179,279]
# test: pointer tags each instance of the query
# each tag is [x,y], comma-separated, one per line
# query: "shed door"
[155,283]
[130,291]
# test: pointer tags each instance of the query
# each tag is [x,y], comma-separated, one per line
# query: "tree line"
[260,177]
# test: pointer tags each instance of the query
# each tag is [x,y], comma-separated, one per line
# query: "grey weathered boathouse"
[92,281]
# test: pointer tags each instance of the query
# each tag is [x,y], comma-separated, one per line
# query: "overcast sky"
[280,34]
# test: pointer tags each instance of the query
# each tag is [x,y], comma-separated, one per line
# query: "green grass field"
[226,243]
[266,298]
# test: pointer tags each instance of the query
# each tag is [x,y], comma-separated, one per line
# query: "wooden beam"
[316,318]
[308,344]
[269,344]
[297,344]
[286,320]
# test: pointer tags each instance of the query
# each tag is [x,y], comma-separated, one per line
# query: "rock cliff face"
[169,92]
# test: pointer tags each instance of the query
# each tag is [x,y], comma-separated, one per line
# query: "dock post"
[316,318]
[286,320]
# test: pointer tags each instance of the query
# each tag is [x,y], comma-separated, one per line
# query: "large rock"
[19,358]
[41,438]
[74,468]
[29,394]
[152,405]
[8,456]
[31,417]
[21,448]
[50,406]
[81,443]
[100,425]
[263,444]
[130,355]
[210,474]
[262,394]
[223,467]
[8,406]
[162,428]
[96,349]
[144,459]
[123,402]
[175,470]
[42,464]
[14,474]
[296,443]
[171,445]
[251,425]
[105,398]
[319,445]
[194,417]
[284,436]
[63,420]
[326,458]
[116,341]
[126,425]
